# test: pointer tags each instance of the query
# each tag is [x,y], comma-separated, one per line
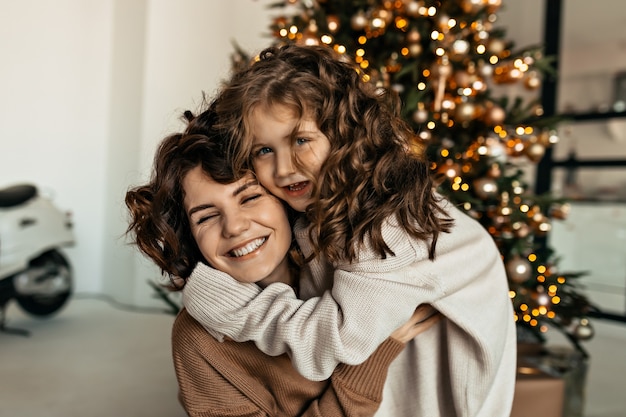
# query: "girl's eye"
[263,151]
[301,141]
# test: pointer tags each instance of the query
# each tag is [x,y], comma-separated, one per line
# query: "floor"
[97,360]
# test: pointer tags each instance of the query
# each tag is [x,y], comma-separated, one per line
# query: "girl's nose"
[284,164]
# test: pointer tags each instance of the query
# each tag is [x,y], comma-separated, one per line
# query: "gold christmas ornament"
[518,269]
[485,188]
[494,114]
[412,8]
[450,169]
[521,230]
[415,49]
[583,330]
[532,81]
[541,224]
[493,5]
[560,211]
[413,36]
[535,151]
[460,48]
[494,171]
[465,112]
[496,46]
[485,69]
[420,116]
[333,23]
[359,21]
[472,6]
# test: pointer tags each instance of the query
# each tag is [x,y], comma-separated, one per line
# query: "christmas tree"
[446,59]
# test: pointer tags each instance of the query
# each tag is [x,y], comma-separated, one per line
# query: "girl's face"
[240,228]
[273,150]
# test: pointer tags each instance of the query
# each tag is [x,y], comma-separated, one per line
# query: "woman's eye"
[205,218]
[251,198]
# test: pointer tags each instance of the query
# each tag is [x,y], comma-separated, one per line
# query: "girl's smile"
[279,137]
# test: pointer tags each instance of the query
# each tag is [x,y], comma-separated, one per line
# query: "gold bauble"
[560,211]
[485,187]
[583,330]
[542,224]
[443,69]
[535,151]
[493,5]
[472,6]
[496,46]
[494,115]
[465,112]
[420,116]
[521,229]
[518,269]
[494,171]
[358,21]
[460,48]
[413,36]
[425,135]
[485,69]
[415,49]
[532,81]
[463,78]
[449,169]
[333,23]
[412,8]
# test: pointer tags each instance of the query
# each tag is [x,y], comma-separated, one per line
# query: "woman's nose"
[235,224]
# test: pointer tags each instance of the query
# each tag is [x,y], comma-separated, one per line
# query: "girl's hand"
[422,319]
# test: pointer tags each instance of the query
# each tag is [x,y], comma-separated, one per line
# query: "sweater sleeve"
[368,301]
[356,390]
[206,391]
[203,390]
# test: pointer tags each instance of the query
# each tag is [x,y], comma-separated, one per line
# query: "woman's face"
[240,228]
[273,151]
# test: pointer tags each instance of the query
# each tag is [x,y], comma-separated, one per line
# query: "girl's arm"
[352,390]
[344,325]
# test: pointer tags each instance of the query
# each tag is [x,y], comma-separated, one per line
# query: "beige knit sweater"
[464,366]
[237,379]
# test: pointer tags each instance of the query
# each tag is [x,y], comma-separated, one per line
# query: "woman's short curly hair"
[158,221]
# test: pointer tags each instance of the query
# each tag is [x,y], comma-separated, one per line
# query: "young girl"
[379,243]
[195,209]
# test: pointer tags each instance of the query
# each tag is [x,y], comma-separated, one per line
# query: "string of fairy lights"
[445,59]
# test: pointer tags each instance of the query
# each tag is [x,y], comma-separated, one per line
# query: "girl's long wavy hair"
[374,170]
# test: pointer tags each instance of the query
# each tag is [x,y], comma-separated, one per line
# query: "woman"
[195,209]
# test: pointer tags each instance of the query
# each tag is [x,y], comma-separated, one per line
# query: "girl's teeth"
[297,186]
[250,247]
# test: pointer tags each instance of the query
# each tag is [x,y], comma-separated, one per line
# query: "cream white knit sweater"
[465,366]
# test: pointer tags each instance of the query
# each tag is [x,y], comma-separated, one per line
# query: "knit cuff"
[369,378]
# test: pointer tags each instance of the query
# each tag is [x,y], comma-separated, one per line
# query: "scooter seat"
[17,194]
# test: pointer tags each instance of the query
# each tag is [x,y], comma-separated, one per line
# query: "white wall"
[89,87]
[54,94]
[87,90]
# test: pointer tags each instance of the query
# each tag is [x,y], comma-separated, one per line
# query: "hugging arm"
[344,325]
[209,386]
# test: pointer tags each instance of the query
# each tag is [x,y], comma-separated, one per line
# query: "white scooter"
[33,271]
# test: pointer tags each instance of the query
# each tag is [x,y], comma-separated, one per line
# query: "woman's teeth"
[250,247]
